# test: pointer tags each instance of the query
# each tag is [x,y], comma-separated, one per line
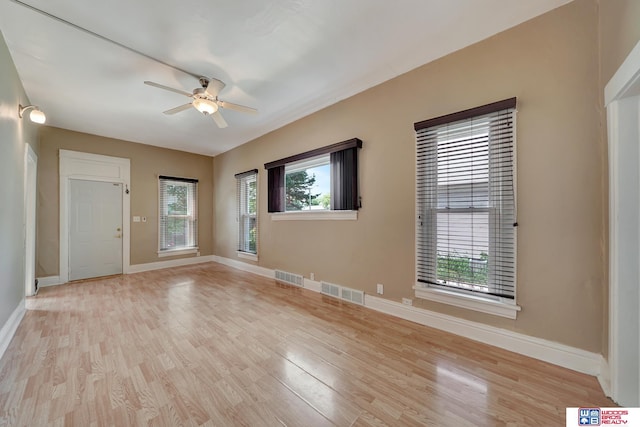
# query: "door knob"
[118,235]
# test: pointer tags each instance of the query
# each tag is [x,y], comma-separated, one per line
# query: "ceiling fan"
[205,100]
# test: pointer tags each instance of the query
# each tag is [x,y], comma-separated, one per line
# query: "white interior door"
[95,229]
[31,167]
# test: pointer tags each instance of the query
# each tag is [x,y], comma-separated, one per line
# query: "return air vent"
[347,294]
[290,278]
[330,289]
[352,295]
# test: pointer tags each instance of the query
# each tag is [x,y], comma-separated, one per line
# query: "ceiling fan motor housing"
[204,82]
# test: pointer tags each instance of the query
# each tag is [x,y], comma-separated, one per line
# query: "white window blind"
[247,203]
[466,215]
[178,219]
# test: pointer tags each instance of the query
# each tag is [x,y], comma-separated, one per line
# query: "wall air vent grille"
[290,278]
[352,295]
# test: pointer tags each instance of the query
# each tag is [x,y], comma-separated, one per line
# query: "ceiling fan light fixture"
[205,106]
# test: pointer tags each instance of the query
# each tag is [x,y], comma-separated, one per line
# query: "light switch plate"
[136,219]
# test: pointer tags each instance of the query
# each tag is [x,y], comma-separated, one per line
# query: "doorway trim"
[92,167]
[30,200]
[620,94]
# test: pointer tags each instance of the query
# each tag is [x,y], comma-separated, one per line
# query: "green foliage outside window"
[177,227]
[462,269]
[178,194]
[298,191]
[325,201]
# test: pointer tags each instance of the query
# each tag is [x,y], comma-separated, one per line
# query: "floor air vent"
[347,294]
[290,278]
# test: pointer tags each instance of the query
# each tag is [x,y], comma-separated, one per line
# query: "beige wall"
[147,163]
[15,134]
[551,65]
[620,32]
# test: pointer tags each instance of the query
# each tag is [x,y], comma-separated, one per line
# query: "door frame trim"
[92,167]
[624,84]
[30,218]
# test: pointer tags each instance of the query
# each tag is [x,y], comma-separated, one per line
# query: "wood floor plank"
[209,345]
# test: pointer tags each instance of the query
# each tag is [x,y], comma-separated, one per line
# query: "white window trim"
[503,307]
[241,219]
[241,215]
[315,215]
[176,252]
[303,165]
[247,255]
[498,306]
[182,250]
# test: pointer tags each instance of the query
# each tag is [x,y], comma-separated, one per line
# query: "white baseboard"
[43,282]
[312,285]
[139,268]
[251,268]
[9,329]
[537,348]
[604,377]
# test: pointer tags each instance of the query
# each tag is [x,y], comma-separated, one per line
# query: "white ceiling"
[287,58]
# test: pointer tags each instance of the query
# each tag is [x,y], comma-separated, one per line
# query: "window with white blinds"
[247,203]
[466,205]
[178,216]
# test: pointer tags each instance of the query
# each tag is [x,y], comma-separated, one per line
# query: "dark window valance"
[505,104]
[245,174]
[344,145]
[174,178]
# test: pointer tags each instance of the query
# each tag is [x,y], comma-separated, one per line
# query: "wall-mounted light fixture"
[36,115]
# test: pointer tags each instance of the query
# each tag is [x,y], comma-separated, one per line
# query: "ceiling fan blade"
[237,107]
[178,109]
[214,87]
[170,89]
[220,121]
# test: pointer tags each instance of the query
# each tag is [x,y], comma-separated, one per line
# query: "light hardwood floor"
[210,345]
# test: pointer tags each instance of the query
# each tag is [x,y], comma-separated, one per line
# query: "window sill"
[470,302]
[247,255]
[176,252]
[315,215]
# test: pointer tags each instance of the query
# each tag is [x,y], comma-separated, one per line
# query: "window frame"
[191,216]
[243,181]
[304,165]
[460,297]
[343,161]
